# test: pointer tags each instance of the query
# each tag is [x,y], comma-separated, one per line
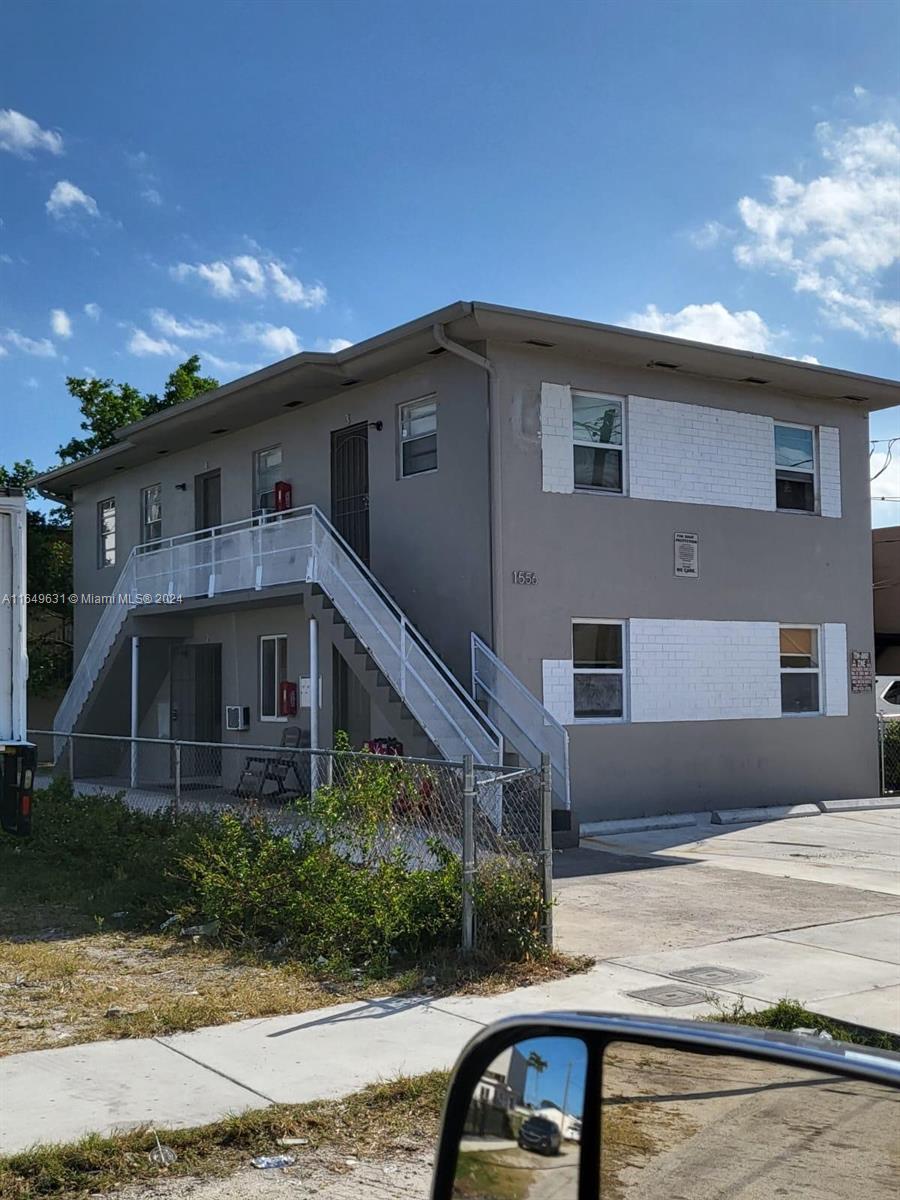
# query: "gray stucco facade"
[449,544]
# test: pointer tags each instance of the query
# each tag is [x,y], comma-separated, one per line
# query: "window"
[598,436]
[272,673]
[266,473]
[151,513]
[106,533]
[800,691]
[418,436]
[795,468]
[598,664]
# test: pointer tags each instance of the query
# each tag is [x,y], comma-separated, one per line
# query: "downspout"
[494,488]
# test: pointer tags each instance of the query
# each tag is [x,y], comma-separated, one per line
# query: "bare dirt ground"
[63,980]
[319,1174]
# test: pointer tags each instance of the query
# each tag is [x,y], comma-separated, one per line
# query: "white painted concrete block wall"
[829,471]
[698,455]
[835,669]
[557,459]
[559,689]
[703,670]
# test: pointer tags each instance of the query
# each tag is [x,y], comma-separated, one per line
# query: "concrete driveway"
[806,908]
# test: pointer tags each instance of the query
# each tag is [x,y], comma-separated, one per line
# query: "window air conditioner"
[237,716]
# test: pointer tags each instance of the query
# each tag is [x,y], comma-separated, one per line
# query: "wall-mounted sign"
[687,555]
[861,671]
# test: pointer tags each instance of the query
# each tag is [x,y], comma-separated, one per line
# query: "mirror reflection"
[523,1129]
[678,1124]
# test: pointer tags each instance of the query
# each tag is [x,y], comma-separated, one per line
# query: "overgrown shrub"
[329,890]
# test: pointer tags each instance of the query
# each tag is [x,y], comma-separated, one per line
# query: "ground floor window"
[800,669]
[598,653]
[272,673]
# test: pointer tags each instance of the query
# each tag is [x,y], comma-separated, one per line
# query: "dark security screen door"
[350,486]
[196,707]
[207,500]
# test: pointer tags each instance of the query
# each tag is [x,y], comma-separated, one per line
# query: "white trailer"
[17,755]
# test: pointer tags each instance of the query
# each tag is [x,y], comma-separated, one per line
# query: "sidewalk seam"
[213,1070]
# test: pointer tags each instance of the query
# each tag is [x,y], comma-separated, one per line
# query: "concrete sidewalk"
[806,908]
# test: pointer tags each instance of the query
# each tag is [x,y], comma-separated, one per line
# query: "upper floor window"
[418,436]
[795,468]
[151,513]
[598,654]
[106,533]
[266,473]
[800,669]
[598,433]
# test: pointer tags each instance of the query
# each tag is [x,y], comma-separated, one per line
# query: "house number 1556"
[524,577]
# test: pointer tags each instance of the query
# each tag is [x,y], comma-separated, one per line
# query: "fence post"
[882,790]
[176,803]
[468,856]
[547,846]
[70,747]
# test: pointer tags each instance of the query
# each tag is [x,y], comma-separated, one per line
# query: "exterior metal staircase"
[298,547]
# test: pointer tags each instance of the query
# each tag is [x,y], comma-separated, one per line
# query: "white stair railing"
[299,546]
[527,727]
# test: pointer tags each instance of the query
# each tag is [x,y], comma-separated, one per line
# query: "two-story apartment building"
[662,550]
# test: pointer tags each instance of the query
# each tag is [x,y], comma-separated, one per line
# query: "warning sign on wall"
[861,671]
[687,555]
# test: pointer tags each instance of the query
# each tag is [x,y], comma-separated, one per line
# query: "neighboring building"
[503,1084]
[666,546]
[886,596]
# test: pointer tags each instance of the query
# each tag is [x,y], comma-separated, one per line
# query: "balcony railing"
[298,546]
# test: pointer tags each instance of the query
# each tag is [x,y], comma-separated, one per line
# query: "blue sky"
[243,179]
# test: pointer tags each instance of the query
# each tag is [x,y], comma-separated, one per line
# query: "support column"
[135,687]
[313,702]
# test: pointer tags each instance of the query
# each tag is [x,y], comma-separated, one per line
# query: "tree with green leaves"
[107,406]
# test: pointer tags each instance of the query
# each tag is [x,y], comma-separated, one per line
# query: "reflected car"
[540,1135]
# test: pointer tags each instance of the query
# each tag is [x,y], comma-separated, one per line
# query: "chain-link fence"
[889,753]
[489,818]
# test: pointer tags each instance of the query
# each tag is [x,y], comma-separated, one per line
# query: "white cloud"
[292,291]
[60,322]
[278,339]
[217,275]
[837,236]
[709,235]
[93,311]
[247,274]
[21,135]
[143,345]
[66,199]
[227,365]
[170,325]
[333,345]
[152,196]
[860,92]
[712,323]
[37,348]
[3,352]
[32,383]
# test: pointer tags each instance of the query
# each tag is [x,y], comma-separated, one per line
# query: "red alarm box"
[284,496]
[287,699]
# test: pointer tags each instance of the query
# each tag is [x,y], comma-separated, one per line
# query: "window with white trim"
[795,468]
[106,532]
[272,673]
[266,473]
[598,666]
[801,669]
[598,434]
[418,436]
[151,513]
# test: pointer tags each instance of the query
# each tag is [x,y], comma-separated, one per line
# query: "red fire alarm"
[287,699]
[284,496]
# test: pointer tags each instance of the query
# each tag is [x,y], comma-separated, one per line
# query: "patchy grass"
[790,1014]
[401,1115]
[63,980]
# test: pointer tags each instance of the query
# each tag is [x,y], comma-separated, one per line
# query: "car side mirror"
[573,1106]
